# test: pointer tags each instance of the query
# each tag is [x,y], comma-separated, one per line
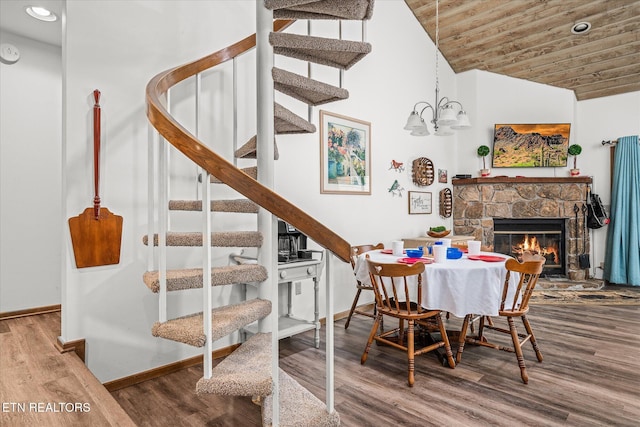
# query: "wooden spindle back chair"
[512,304]
[393,285]
[356,251]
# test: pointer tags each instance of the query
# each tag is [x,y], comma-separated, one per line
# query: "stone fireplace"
[478,203]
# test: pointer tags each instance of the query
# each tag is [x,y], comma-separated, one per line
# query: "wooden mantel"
[523,180]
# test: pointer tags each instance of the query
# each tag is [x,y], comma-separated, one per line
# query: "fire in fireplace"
[543,236]
[532,245]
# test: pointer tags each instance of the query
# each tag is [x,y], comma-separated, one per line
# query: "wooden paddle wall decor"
[96,233]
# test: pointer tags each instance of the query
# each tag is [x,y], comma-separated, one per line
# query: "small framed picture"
[419,202]
[442,175]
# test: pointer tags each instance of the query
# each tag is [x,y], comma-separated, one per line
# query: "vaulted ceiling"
[527,39]
[532,40]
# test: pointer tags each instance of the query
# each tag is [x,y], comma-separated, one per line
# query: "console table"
[288,273]
[414,242]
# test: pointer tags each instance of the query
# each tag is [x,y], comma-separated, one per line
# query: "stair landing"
[298,407]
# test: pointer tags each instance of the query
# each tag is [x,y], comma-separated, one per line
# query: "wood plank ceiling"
[532,40]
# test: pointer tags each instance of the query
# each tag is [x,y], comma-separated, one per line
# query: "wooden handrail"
[219,167]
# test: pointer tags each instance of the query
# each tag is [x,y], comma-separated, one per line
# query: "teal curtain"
[622,259]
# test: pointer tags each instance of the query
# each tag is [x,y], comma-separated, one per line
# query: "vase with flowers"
[335,152]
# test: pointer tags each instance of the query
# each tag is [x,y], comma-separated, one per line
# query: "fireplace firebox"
[542,236]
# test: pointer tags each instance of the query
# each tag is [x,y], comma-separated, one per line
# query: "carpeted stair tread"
[327,51]
[298,406]
[321,9]
[287,122]
[248,150]
[335,53]
[224,321]
[245,372]
[309,91]
[233,205]
[191,278]
[241,239]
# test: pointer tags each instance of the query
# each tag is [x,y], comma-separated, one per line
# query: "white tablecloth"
[459,286]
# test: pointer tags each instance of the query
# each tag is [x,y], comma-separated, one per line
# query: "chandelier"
[446,114]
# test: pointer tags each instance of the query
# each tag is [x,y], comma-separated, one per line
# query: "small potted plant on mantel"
[575,150]
[483,151]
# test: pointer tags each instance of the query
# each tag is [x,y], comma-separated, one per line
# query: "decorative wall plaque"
[422,172]
[446,203]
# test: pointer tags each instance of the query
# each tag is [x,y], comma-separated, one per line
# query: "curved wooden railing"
[219,167]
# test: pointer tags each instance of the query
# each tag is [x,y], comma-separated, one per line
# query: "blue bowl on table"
[414,253]
[454,253]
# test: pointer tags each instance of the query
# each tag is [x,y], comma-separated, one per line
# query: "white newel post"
[267,256]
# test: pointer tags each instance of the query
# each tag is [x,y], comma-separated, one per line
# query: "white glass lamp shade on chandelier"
[444,119]
[446,114]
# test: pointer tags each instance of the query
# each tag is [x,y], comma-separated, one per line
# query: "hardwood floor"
[590,376]
[39,386]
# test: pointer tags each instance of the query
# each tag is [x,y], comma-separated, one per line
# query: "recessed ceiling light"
[581,27]
[41,13]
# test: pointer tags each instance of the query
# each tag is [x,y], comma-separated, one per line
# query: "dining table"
[468,285]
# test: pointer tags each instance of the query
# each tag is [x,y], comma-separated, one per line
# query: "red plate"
[389,251]
[487,258]
[414,260]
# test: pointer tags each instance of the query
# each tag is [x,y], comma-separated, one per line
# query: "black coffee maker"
[292,244]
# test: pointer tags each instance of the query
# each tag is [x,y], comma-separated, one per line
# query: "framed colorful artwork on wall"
[345,155]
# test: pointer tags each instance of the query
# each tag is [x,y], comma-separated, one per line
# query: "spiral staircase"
[250,369]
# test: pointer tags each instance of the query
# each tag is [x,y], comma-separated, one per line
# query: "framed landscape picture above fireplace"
[530,145]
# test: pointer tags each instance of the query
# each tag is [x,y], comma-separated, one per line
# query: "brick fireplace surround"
[476,201]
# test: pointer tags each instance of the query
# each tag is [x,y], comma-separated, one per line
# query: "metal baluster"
[341,78]
[235,110]
[329,351]
[309,107]
[163,225]
[163,219]
[206,276]
[152,139]
[199,171]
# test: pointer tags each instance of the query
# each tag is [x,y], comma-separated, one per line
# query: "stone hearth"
[476,201]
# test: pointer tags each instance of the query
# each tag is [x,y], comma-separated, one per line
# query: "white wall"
[383,88]
[492,98]
[30,193]
[603,119]
[117,46]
